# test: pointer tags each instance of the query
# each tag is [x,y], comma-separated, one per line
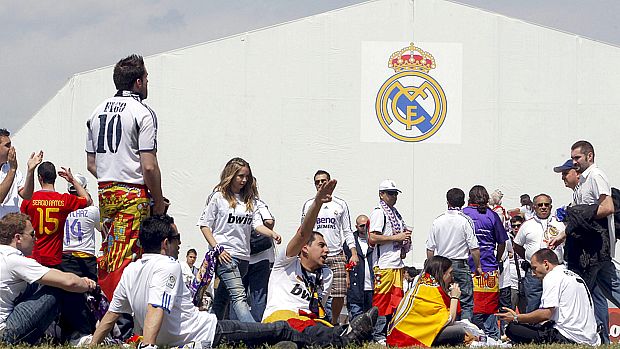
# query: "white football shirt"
[11,201]
[118,130]
[387,255]
[231,227]
[334,223]
[80,228]
[287,290]
[157,280]
[16,272]
[452,235]
[574,311]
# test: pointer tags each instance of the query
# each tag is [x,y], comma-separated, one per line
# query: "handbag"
[259,243]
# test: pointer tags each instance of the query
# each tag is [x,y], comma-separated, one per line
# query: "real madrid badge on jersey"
[411,92]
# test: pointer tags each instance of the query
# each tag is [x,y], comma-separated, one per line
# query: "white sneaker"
[82,341]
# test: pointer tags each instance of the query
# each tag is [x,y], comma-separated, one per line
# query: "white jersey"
[80,228]
[386,255]
[118,130]
[334,223]
[16,272]
[593,183]
[536,233]
[452,235]
[157,280]
[231,227]
[287,289]
[574,311]
[11,201]
[268,254]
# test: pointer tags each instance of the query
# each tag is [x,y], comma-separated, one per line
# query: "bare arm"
[519,250]
[105,326]
[152,179]
[376,237]
[152,324]
[605,206]
[323,195]
[535,317]
[7,182]
[429,253]
[34,161]
[263,230]
[91,163]
[81,192]
[67,281]
[475,254]
[500,251]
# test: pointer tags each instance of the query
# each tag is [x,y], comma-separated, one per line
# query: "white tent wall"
[287,99]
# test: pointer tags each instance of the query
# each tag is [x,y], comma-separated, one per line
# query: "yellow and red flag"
[388,290]
[486,292]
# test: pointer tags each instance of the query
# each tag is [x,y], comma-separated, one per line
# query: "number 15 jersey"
[118,130]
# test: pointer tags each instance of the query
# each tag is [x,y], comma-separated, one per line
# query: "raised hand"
[66,174]
[35,160]
[12,158]
[324,194]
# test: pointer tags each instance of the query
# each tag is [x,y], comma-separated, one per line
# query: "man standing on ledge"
[121,152]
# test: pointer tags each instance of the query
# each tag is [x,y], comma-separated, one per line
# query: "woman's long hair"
[436,267]
[479,197]
[248,193]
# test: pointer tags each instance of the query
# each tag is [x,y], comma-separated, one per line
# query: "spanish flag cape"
[422,314]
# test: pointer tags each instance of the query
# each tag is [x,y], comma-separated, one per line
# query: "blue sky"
[44,43]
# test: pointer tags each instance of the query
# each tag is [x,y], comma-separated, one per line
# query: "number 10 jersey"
[118,130]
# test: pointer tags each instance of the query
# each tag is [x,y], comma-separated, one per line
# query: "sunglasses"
[515,225]
[320,181]
[392,193]
[174,237]
[543,204]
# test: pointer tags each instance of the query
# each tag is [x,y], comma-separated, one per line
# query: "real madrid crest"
[411,105]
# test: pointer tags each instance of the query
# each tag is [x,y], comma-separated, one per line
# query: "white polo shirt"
[16,272]
[334,222]
[593,183]
[11,201]
[157,280]
[574,311]
[452,235]
[536,233]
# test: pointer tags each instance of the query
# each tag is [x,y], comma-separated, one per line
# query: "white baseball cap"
[388,184]
[80,178]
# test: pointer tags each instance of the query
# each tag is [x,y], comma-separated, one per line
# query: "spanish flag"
[388,290]
[422,314]
[486,292]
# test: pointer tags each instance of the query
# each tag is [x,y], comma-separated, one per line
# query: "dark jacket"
[587,238]
[355,293]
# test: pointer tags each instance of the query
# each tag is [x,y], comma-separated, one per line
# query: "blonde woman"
[226,223]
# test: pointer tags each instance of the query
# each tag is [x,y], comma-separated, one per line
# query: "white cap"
[80,178]
[388,184]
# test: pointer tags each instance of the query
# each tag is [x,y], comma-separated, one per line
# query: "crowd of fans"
[531,274]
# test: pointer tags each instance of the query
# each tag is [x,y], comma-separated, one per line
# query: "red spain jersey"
[48,211]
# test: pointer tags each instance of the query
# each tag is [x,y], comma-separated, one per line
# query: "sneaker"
[284,345]
[360,328]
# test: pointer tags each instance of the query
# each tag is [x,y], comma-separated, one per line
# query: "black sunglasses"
[392,193]
[515,225]
[543,204]
[174,237]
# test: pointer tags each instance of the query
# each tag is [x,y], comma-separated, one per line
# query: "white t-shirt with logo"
[118,130]
[157,280]
[386,255]
[452,235]
[593,183]
[16,272]
[231,227]
[334,222]
[268,254]
[536,233]
[574,311]
[287,289]
[11,201]
[80,227]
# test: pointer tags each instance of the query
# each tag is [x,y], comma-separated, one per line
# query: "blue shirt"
[490,232]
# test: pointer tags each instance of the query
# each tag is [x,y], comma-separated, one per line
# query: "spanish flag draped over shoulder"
[422,314]
[486,292]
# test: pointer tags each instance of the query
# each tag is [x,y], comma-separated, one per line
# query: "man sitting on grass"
[152,289]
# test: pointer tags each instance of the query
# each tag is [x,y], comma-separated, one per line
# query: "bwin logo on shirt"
[411,97]
[247,219]
[298,291]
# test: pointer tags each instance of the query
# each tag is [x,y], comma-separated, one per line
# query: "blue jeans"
[231,289]
[255,282]
[462,276]
[601,313]
[488,323]
[356,309]
[33,313]
[533,292]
